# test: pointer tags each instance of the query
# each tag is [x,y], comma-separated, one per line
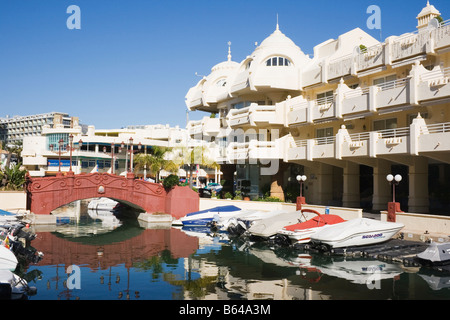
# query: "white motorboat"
[301,232]
[8,217]
[13,286]
[269,227]
[102,204]
[8,260]
[205,217]
[356,232]
[239,226]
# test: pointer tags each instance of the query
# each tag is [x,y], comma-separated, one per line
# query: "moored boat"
[102,204]
[14,287]
[356,232]
[240,225]
[301,232]
[8,260]
[266,229]
[436,254]
[205,217]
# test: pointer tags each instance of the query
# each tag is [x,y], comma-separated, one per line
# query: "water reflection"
[128,261]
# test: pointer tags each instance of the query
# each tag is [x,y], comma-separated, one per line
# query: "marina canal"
[123,260]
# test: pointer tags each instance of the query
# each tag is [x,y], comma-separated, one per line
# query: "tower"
[427,13]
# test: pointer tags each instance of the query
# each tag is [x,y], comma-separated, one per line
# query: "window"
[325,97]
[221,83]
[382,80]
[324,132]
[385,124]
[240,105]
[278,61]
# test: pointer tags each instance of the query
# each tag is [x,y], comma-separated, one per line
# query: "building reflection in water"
[131,262]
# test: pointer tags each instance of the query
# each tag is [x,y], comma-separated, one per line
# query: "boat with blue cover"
[205,217]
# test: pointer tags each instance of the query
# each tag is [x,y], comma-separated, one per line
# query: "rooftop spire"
[278,27]
[229,50]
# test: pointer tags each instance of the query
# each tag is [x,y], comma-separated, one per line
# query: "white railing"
[437,128]
[356,92]
[324,101]
[436,74]
[361,136]
[394,133]
[325,140]
[393,84]
[300,143]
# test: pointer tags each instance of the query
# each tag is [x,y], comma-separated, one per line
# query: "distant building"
[94,150]
[14,129]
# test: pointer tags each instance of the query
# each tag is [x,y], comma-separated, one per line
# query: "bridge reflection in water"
[114,264]
[124,245]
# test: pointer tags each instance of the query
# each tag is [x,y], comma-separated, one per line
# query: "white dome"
[277,38]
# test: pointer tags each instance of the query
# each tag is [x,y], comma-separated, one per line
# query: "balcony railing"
[394,133]
[393,84]
[436,128]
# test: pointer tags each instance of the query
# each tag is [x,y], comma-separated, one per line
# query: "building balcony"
[256,115]
[419,139]
[301,111]
[434,85]
[206,126]
[396,51]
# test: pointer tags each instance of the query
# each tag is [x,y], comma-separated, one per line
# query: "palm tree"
[13,178]
[156,161]
[193,156]
[15,148]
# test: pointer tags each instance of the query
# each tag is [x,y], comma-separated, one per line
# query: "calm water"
[127,261]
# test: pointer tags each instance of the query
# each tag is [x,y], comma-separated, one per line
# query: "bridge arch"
[45,194]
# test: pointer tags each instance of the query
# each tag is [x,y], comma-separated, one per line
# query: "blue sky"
[133,61]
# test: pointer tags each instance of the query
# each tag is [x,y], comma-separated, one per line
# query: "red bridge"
[45,194]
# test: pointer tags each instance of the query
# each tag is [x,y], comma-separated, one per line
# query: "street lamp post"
[131,154]
[70,146]
[112,157]
[393,207]
[300,199]
[80,144]
[61,141]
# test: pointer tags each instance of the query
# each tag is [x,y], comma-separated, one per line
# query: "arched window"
[221,83]
[278,62]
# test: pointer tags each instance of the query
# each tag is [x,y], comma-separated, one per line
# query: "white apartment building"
[14,129]
[356,111]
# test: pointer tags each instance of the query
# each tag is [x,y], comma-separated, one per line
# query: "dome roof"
[225,65]
[276,39]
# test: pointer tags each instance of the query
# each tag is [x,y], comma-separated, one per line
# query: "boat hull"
[359,232]
[8,260]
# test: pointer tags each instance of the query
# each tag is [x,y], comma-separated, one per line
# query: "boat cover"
[216,209]
[6,213]
[436,252]
[315,222]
